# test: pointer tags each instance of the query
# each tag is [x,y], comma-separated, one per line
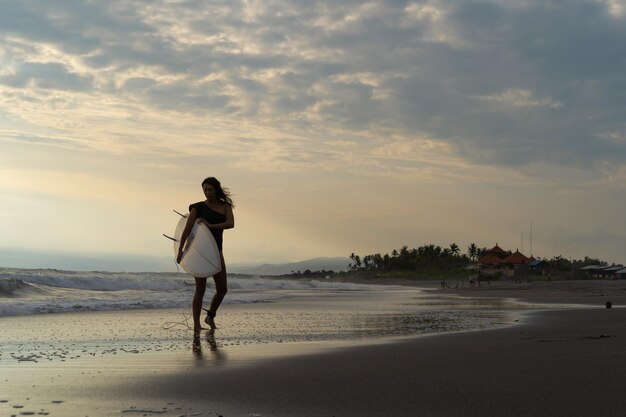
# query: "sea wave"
[99,281]
[116,281]
[28,291]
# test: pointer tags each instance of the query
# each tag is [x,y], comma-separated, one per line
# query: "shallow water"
[255,311]
[53,364]
[313,315]
[37,291]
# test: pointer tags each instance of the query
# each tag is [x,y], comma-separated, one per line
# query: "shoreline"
[323,321]
[554,363]
[584,292]
[562,362]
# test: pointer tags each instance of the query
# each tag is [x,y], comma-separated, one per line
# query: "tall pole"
[531,239]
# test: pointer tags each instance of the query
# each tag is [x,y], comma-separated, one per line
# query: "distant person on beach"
[216,212]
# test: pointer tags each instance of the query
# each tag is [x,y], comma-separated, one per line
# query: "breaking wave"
[33,291]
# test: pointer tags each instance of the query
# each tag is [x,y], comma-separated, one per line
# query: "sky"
[338,126]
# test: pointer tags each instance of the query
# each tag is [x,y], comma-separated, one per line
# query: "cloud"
[52,76]
[504,84]
[616,8]
[39,140]
[519,98]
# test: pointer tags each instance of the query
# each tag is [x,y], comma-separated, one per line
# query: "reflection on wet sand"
[217,354]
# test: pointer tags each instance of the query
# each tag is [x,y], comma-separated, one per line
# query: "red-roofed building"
[516,258]
[489,260]
[499,262]
[498,251]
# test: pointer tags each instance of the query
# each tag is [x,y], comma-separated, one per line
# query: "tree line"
[434,257]
[426,257]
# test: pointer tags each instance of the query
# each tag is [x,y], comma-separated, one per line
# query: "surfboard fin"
[170,238]
[180,214]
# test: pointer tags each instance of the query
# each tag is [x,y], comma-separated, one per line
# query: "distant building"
[611,272]
[500,263]
[496,261]
[602,272]
[538,267]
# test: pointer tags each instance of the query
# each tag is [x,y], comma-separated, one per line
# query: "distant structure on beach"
[603,272]
[498,262]
[479,264]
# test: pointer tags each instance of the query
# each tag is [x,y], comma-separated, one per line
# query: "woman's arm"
[191,219]
[228,224]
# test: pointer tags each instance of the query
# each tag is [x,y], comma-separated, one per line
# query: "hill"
[316,264]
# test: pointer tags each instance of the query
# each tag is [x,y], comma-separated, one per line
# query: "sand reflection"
[216,356]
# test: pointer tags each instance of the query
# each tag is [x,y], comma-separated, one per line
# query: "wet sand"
[553,363]
[584,292]
[565,363]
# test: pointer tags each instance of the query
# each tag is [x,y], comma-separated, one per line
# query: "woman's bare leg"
[220,291]
[196,306]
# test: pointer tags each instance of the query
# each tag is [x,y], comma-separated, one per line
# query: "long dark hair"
[222,194]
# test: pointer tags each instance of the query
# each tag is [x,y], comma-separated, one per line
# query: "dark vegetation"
[436,262]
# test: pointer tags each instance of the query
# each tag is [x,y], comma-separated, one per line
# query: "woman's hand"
[204,222]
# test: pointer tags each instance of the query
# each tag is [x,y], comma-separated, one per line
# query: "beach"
[369,350]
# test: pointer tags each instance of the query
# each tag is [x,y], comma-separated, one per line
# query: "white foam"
[24,291]
[103,281]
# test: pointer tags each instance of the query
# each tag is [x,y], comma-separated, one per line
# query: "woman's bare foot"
[210,319]
[211,322]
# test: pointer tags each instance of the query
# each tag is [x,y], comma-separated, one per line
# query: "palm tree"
[378,261]
[357,262]
[472,251]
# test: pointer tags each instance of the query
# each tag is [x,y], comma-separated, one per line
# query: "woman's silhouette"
[216,212]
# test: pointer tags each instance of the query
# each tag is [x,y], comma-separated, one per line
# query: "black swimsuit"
[211,216]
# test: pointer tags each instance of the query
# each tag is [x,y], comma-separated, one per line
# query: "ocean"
[37,291]
[306,309]
[102,343]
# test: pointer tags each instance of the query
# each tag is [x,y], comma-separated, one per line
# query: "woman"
[216,212]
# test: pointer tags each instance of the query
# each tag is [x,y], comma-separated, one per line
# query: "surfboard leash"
[171,324]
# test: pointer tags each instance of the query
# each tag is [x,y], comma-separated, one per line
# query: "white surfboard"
[201,257]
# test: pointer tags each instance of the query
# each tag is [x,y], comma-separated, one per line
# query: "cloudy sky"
[339,126]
